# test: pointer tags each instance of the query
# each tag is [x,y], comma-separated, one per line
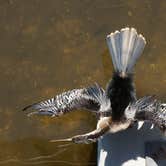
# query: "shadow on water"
[47,47]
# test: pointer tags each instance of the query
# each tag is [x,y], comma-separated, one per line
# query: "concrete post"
[127,148]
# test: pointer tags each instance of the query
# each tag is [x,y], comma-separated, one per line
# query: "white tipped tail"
[125,47]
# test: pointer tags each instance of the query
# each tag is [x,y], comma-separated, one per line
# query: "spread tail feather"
[125,47]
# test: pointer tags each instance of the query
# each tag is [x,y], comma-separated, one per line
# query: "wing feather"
[148,109]
[87,98]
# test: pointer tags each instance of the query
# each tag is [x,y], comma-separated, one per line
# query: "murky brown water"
[47,47]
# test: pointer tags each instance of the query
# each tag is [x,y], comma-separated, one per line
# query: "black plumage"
[121,92]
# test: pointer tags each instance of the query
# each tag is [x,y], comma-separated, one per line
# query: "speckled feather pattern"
[87,98]
[148,108]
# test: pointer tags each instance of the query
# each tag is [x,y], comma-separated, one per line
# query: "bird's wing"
[87,98]
[148,109]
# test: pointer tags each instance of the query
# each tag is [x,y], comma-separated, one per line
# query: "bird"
[116,107]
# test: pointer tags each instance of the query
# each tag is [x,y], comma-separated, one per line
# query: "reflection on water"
[47,47]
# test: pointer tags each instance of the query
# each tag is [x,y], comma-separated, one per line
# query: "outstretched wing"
[148,108]
[87,98]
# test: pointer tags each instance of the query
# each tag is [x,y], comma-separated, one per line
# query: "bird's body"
[121,92]
[114,125]
[116,107]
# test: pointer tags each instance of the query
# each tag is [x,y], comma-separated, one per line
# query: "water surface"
[47,47]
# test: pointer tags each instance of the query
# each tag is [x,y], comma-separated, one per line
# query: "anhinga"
[116,107]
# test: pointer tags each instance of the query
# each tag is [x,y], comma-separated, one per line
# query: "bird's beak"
[62,140]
